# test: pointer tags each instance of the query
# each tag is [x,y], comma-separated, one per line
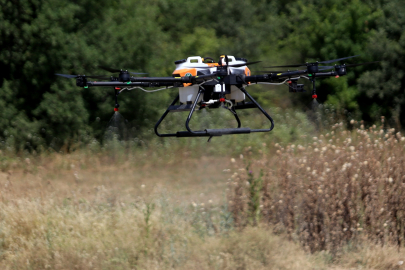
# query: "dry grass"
[344,188]
[93,211]
[61,213]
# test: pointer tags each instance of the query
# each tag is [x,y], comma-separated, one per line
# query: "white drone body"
[194,66]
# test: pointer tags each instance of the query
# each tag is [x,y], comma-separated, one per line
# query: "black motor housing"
[124,76]
[340,70]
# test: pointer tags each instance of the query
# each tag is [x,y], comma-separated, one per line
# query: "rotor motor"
[124,76]
[340,70]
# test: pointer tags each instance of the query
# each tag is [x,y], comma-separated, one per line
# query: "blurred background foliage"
[41,37]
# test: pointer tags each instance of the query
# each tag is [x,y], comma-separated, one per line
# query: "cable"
[272,83]
[160,89]
[148,91]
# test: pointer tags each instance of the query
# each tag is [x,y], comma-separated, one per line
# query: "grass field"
[259,208]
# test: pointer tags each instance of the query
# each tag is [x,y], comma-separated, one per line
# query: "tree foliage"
[41,37]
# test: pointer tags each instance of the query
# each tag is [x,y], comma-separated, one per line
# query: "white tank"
[189,93]
[236,94]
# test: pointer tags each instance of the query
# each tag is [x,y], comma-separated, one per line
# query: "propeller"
[234,65]
[360,64]
[283,71]
[323,62]
[77,76]
[114,70]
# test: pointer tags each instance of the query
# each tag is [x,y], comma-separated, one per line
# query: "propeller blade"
[283,71]
[76,76]
[114,70]
[137,73]
[297,65]
[245,64]
[66,75]
[323,62]
[336,60]
[234,65]
[360,64]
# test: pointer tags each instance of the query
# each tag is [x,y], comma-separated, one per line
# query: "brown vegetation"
[344,187]
[338,196]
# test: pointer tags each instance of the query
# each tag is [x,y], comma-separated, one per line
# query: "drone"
[204,83]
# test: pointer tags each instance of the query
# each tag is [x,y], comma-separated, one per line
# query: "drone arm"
[325,74]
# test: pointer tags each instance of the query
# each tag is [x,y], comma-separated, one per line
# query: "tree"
[382,89]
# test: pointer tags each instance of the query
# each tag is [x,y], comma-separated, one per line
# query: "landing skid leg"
[163,117]
[261,109]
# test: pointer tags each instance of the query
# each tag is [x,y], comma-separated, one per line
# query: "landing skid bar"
[213,132]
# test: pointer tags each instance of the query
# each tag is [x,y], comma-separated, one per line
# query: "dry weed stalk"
[344,186]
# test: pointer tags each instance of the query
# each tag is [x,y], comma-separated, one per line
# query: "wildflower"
[337,151]
[390,180]
[315,138]
[280,201]
[210,201]
[202,204]
[308,169]
[352,148]
[324,148]
[241,156]
[142,186]
[365,162]
[352,121]
[232,160]
[316,150]
[194,204]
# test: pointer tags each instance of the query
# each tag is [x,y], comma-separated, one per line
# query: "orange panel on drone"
[185,72]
